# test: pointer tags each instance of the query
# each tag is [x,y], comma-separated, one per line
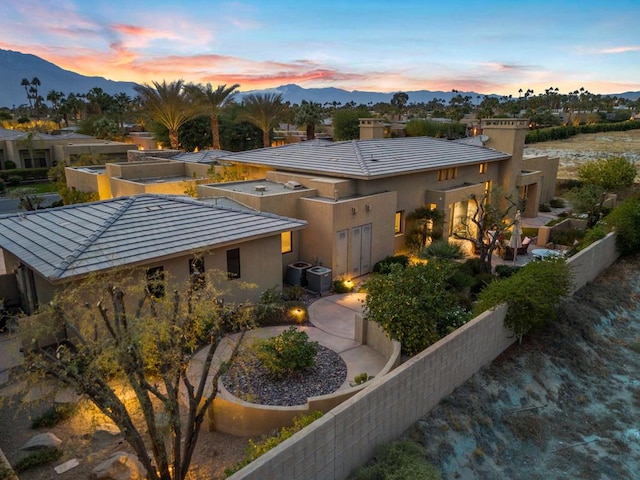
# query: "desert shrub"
[481,280]
[270,308]
[625,220]
[383,266]
[473,266]
[532,295]
[505,271]
[54,415]
[401,460]
[598,232]
[556,203]
[567,237]
[461,280]
[442,249]
[293,293]
[41,456]
[259,448]
[287,353]
[544,207]
[340,286]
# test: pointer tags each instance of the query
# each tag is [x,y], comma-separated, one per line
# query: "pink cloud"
[617,50]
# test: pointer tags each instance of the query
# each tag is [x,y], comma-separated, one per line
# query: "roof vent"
[260,188]
[293,185]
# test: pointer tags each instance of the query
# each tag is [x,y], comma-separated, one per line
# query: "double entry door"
[353,251]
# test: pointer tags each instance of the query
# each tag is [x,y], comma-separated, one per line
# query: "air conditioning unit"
[296,273]
[319,279]
[260,188]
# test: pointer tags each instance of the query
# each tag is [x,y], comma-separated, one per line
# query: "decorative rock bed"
[250,381]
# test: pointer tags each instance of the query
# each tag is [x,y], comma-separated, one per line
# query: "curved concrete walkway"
[332,322]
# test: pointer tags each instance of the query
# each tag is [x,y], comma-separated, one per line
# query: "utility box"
[319,279]
[296,273]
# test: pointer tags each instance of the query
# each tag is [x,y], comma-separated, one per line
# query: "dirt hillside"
[574,151]
[565,404]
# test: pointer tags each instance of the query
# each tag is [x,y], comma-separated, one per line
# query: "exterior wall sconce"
[367,207]
[354,210]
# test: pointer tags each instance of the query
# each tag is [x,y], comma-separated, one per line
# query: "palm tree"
[55,98]
[169,105]
[264,110]
[212,102]
[309,114]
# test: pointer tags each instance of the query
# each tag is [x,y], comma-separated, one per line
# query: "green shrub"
[567,237]
[413,305]
[341,286]
[294,292]
[54,415]
[472,266]
[531,294]
[39,457]
[401,460]
[598,232]
[14,180]
[442,249]
[505,271]
[556,203]
[625,220]
[383,266]
[270,308]
[24,173]
[287,353]
[257,449]
[544,207]
[9,165]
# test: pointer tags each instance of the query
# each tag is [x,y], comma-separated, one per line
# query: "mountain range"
[15,66]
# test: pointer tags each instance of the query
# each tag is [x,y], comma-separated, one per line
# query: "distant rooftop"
[260,187]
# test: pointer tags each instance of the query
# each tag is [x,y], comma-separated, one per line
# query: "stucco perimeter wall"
[345,437]
[587,264]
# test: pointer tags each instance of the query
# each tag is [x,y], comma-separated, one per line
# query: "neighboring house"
[45,249]
[160,171]
[39,150]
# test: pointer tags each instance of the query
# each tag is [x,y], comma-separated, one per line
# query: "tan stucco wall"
[548,168]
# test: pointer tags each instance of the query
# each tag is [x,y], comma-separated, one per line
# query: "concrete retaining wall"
[345,437]
[237,417]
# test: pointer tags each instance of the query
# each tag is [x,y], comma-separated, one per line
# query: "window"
[447,174]
[286,242]
[196,272]
[155,282]
[397,225]
[484,167]
[233,263]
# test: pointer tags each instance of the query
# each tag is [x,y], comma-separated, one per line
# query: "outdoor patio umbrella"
[515,242]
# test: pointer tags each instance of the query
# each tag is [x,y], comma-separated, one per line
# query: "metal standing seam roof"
[369,158]
[64,242]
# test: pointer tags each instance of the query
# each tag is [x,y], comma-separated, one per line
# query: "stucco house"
[39,150]
[356,195]
[45,249]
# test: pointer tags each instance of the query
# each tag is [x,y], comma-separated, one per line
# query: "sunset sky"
[374,45]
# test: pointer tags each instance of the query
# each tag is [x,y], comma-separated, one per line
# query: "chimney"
[507,135]
[371,128]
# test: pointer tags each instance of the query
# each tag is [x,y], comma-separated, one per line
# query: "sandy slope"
[565,404]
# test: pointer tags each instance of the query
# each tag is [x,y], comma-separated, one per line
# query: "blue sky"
[488,47]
